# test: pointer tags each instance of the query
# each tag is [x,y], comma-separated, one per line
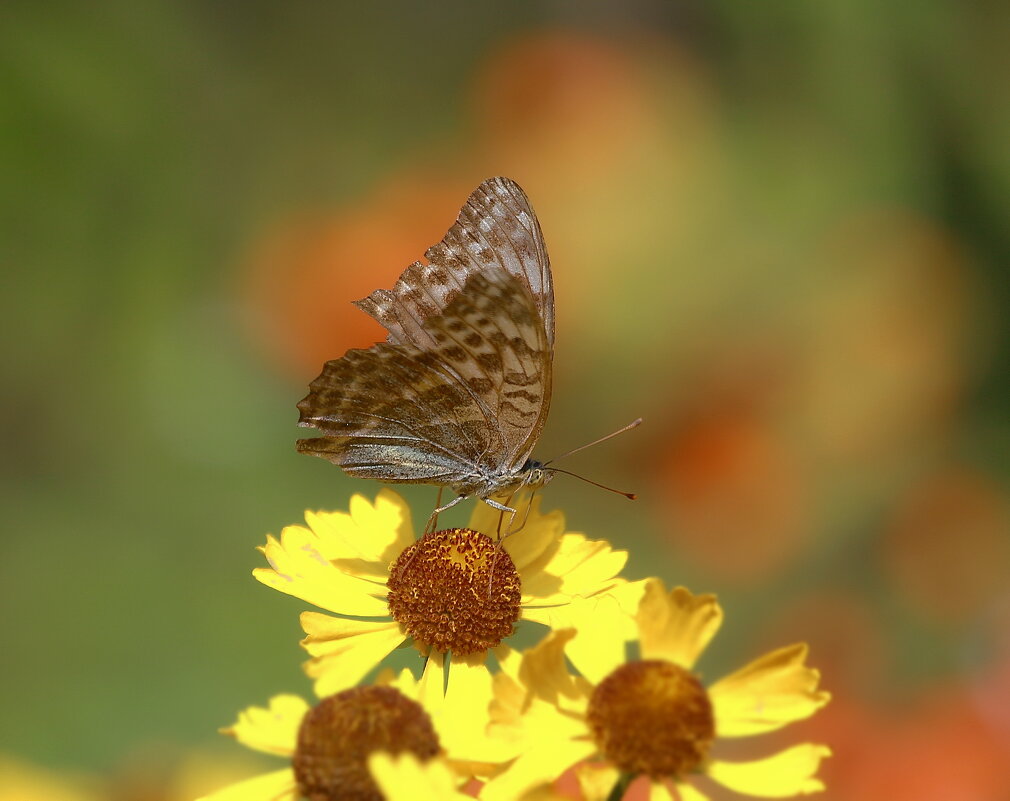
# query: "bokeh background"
[778,231]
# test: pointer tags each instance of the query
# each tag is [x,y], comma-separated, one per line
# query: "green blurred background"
[778,231]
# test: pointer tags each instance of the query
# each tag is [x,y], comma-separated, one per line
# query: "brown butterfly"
[458,393]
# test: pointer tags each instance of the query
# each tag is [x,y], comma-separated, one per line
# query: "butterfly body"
[458,394]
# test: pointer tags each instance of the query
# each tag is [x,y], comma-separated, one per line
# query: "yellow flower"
[651,716]
[22,781]
[405,778]
[453,590]
[341,744]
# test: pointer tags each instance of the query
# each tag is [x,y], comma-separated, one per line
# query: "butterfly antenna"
[629,495]
[628,427]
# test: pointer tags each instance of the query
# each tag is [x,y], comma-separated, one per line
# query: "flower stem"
[620,786]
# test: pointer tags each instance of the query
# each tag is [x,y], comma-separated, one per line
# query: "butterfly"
[458,393]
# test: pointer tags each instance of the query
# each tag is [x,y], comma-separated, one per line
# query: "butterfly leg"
[438,502]
[433,519]
[502,508]
[429,527]
[526,517]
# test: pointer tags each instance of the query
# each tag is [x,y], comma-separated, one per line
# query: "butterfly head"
[535,474]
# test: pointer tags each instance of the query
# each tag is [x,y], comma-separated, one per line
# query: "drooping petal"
[405,778]
[602,628]
[272,729]
[509,659]
[277,786]
[660,791]
[462,721]
[544,673]
[536,767]
[369,531]
[770,692]
[298,568]
[596,780]
[538,703]
[404,681]
[688,792]
[676,626]
[574,565]
[787,773]
[539,534]
[343,651]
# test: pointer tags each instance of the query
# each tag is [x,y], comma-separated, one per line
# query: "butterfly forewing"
[462,408]
[496,230]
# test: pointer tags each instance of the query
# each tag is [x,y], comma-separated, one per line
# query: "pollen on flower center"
[455,590]
[652,717]
[338,735]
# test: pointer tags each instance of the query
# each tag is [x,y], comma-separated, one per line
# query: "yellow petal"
[659,791]
[687,792]
[787,773]
[405,778]
[298,568]
[509,659]
[462,721]
[568,612]
[274,729]
[344,651]
[573,566]
[596,780]
[535,768]
[277,786]
[539,533]
[369,532]
[404,681]
[769,693]
[544,673]
[602,628]
[676,626]
[539,703]
[532,546]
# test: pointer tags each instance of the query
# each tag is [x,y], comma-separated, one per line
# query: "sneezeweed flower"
[651,716]
[454,590]
[331,746]
[406,778]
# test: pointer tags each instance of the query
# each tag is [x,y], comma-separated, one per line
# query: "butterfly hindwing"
[496,230]
[463,411]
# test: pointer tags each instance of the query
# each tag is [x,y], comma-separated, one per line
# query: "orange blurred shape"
[734,493]
[560,98]
[990,686]
[303,276]
[940,751]
[947,548]
[932,748]
[889,339]
[613,136]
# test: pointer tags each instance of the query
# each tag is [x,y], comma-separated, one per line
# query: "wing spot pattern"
[455,354]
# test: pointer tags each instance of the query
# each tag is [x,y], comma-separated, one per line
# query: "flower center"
[455,590]
[652,717]
[337,736]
